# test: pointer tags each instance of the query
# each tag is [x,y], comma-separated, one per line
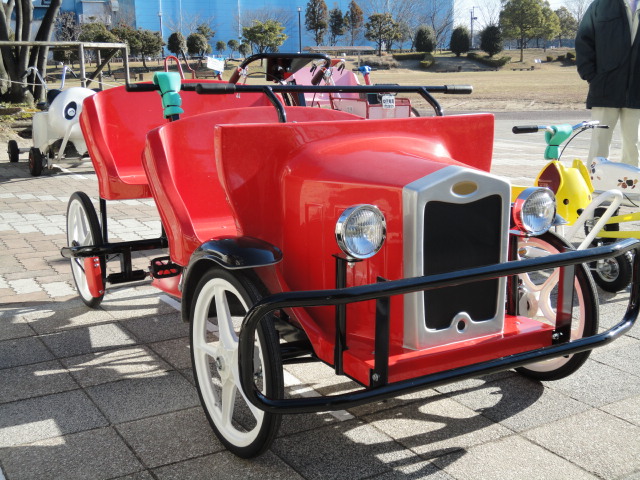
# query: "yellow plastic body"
[571,185]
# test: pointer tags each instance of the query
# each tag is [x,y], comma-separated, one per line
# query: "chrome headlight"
[534,210]
[361,231]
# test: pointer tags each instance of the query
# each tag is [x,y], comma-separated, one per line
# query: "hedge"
[409,56]
[491,62]
[428,61]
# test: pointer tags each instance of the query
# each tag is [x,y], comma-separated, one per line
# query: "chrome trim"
[439,186]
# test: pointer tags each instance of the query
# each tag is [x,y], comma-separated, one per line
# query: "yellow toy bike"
[574,191]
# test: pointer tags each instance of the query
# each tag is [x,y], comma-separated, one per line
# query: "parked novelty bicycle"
[54,127]
[573,186]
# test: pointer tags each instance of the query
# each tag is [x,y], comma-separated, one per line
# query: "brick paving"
[108,393]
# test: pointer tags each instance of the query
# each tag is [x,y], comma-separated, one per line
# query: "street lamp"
[473,17]
[160,18]
[299,32]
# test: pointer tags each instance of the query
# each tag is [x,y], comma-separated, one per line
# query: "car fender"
[232,253]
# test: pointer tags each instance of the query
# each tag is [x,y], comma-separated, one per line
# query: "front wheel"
[538,293]
[13,150]
[83,228]
[36,160]
[220,302]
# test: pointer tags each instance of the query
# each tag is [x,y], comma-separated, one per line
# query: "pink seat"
[115,124]
[179,161]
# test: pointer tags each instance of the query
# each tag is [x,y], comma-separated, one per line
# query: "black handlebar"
[458,89]
[270,90]
[525,129]
[141,87]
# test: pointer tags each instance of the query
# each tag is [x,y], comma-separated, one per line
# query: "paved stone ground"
[108,393]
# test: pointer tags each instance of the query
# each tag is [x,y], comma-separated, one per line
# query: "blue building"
[225,17]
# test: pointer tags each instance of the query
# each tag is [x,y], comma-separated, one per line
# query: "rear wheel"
[13,150]
[613,274]
[610,274]
[83,228]
[36,159]
[538,297]
[221,300]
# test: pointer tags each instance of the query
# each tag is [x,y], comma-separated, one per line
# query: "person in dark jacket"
[608,58]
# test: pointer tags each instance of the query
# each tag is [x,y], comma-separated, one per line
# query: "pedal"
[163,267]
[133,276]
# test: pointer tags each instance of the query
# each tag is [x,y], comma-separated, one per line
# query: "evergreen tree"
[491,40]
[176,43]
[460,41]
[233,46]
[316,19]
[354,22]
[425,39]
[336,25]
[197,44]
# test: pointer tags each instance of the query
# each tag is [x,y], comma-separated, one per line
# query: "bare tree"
[15,61]
[489,13]
[439,16]
[188,24]
[578,8]
[282,16]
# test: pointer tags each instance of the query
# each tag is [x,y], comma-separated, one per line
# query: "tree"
[281,15]
[129,35]
[233,46]
[316,19]
[67,30]
[354,21]
[425,39]
[197,44]
[568,24]
[244,49]
[521,20]
[491,40]
[206,31]
[336,25]
[176,43]
[96,32]
[221,46]
[439,16]
[264,36]
[578,8]
[150,45]
[404,33]
[15,60]
[379,28]
[460,41]
[550,27]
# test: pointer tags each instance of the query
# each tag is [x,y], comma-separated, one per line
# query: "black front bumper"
[384,290]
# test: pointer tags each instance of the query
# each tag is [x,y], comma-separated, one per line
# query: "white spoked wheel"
[83,228]
[219,305]
[538,299]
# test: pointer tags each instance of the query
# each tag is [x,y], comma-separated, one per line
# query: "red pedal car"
[383,248]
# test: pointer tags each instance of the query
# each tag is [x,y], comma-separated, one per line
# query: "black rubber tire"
[613,274]
[613,227]
[80,209]
[13,150]
[587,305]
[35,161]
[251,435]
[414,112]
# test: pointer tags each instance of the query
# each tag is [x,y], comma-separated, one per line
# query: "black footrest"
[163,267]
[134,276]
